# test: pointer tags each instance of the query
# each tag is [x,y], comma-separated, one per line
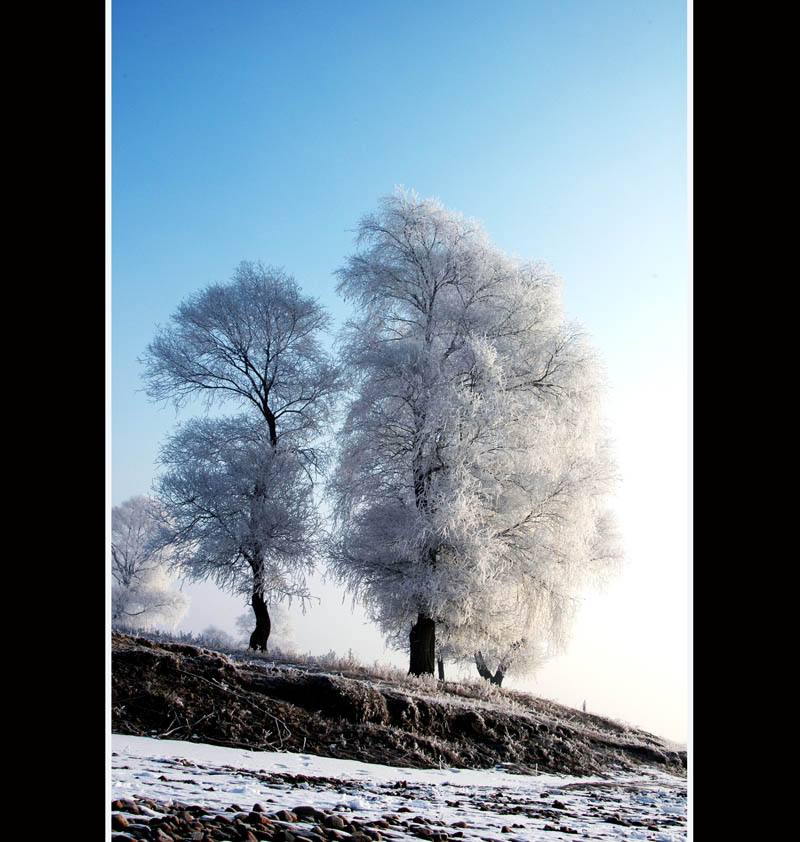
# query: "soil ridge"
[182,692]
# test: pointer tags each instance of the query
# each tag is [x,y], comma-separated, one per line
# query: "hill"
[181,692]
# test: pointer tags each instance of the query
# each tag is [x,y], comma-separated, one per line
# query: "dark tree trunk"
[483,670]
[258,639]
[486,673]
[422,640]
[272,425]
[441,669]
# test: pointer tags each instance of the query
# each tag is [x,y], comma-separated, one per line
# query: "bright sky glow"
[263,130]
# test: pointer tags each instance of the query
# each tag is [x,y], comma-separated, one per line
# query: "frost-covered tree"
[142,596]
[242,511]
[473,466]
[213,637]
[238,491]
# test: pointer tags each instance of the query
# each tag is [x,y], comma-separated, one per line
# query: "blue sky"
[263,130]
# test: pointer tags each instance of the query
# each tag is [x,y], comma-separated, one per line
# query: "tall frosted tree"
[238,491]
[472,467]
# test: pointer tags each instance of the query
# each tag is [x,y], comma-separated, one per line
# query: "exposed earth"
[179,692]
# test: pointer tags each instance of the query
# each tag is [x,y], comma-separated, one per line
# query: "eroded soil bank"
[187,693]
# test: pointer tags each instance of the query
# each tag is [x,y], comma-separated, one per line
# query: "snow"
[647,806]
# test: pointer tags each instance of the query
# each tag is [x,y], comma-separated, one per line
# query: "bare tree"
[473,465]
[239,490]
[141,593]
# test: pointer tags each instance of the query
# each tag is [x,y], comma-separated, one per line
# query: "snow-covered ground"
[477,805]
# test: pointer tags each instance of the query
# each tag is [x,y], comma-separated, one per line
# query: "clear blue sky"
[263,130]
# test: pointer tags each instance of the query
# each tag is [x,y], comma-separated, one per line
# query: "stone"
[308,813]
[336,822]
[124,806]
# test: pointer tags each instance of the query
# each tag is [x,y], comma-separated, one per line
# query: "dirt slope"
[186,693]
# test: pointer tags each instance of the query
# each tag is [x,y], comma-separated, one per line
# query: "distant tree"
[238,491]
[473,466]
[141,593]
[215,638]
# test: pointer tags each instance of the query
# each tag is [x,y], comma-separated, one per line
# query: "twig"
[188,726]
[165,733]
[240,696]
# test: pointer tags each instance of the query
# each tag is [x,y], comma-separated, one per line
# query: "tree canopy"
[473,466]
[238,490]
[254,341]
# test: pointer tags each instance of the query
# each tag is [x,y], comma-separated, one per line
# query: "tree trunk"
[486,673]
[258,639]
[422,640]
[483,670]
[441,669]
[272,425]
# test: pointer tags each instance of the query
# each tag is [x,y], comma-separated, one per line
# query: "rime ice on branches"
[238,490]
[473,468]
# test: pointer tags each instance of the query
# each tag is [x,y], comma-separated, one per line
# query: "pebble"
[336,822]
[145,820]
